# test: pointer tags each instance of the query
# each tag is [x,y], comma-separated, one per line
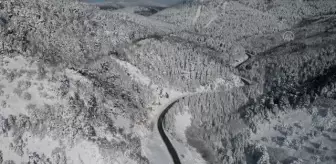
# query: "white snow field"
[86,81]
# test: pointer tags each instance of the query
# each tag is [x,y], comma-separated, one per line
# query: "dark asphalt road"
[164,137]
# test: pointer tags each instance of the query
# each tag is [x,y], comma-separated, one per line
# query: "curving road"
[173,153]
[164,137]
[164,110]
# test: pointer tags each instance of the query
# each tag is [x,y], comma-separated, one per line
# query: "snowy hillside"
[161,82]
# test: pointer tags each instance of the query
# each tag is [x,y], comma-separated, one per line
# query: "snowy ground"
[22,94]
[303,136]
[47,114]
[19,83]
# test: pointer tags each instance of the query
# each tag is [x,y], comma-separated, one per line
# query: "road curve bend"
[164,137]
